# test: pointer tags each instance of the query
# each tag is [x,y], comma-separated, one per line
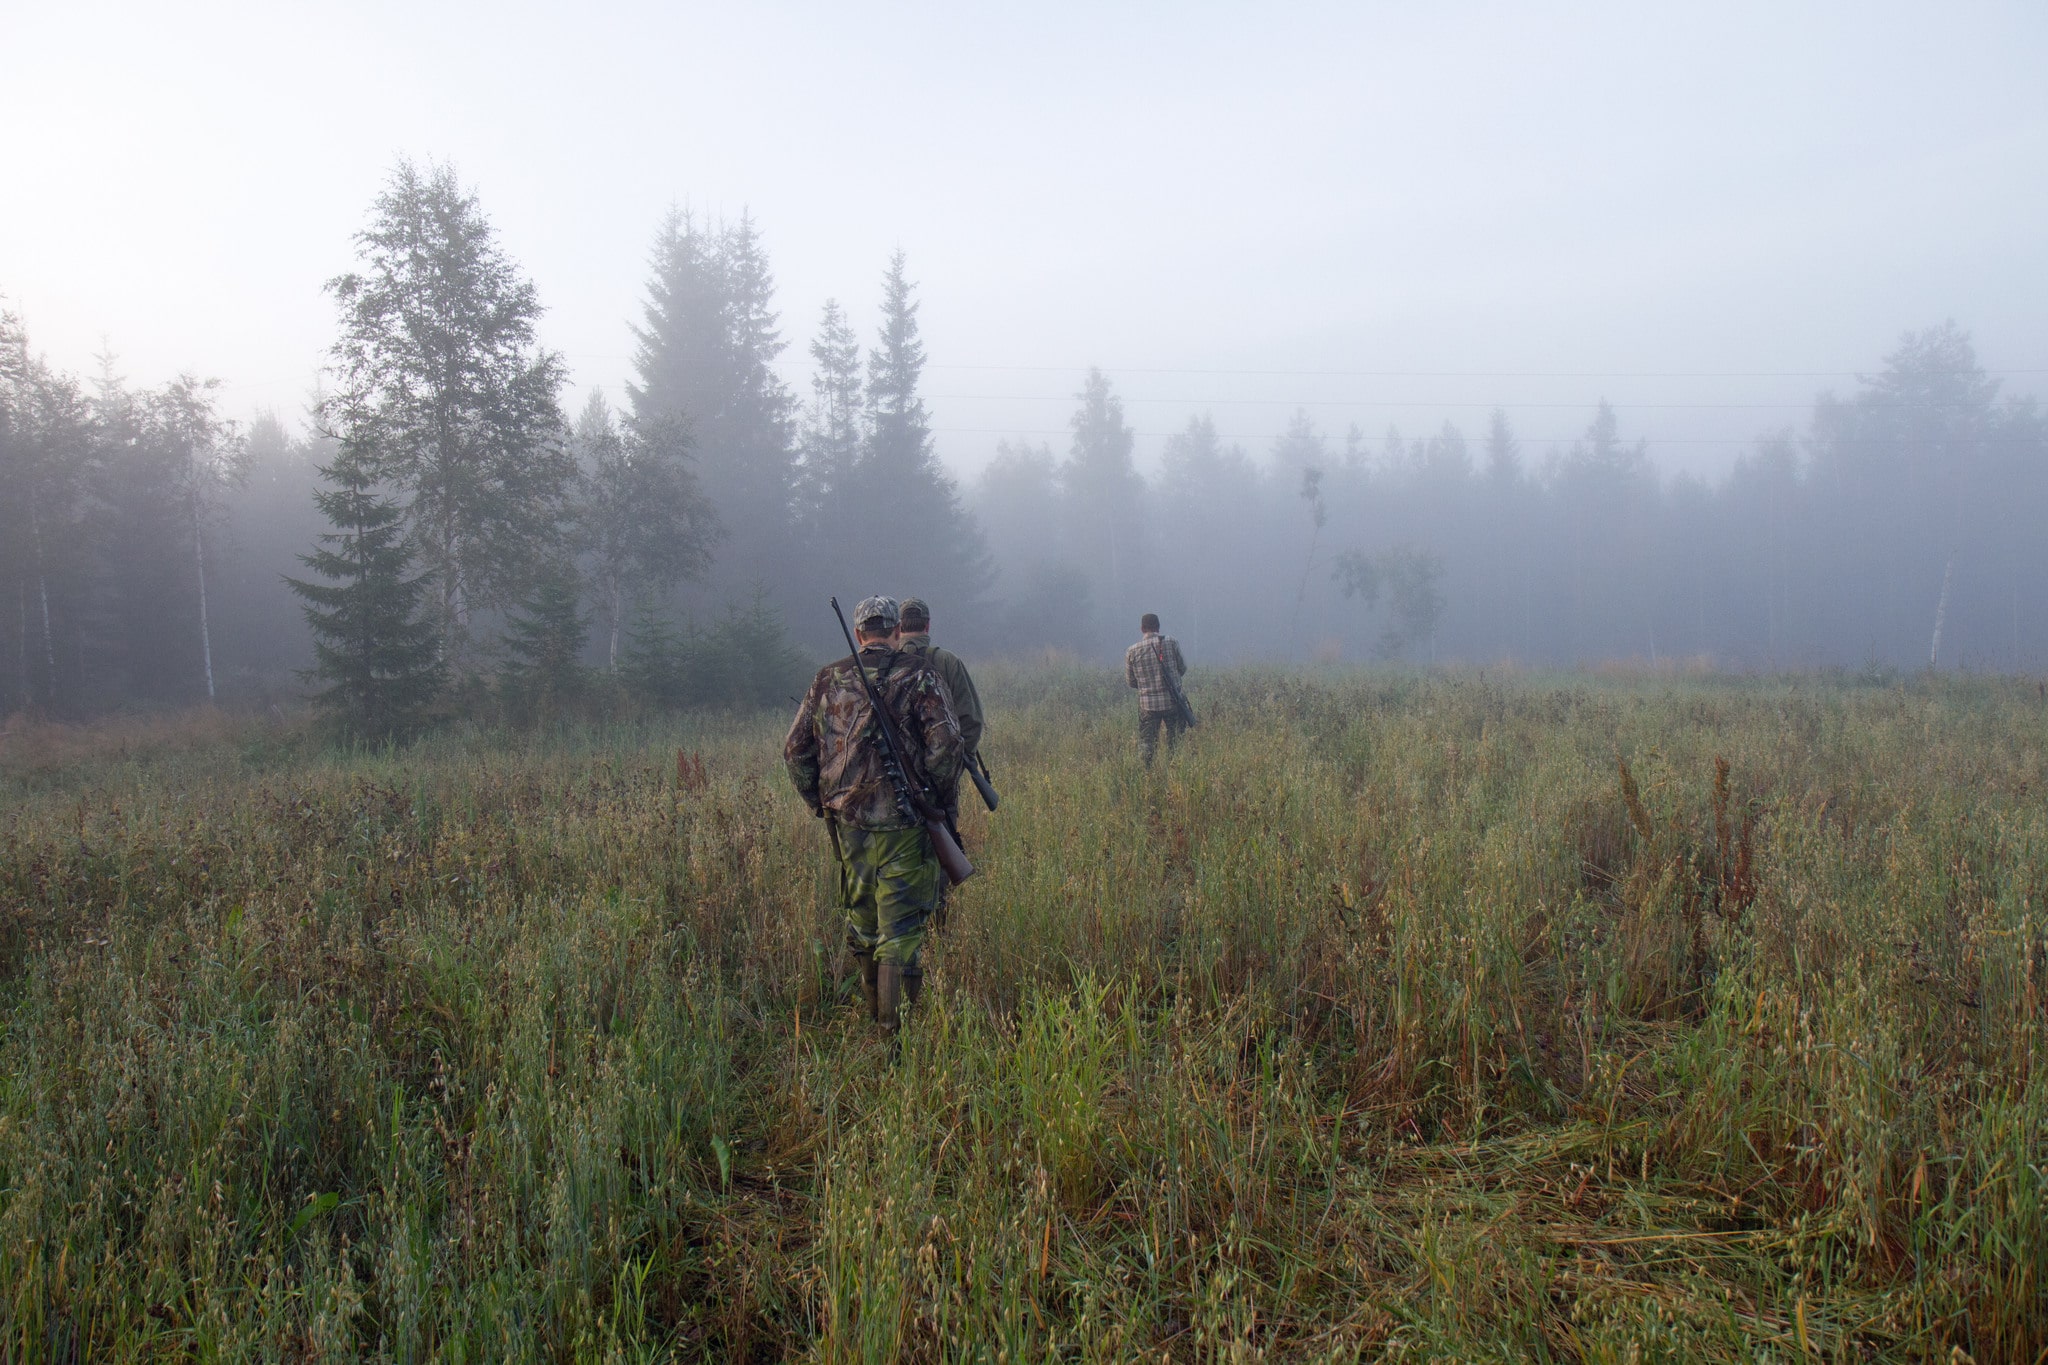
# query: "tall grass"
[1396,1016]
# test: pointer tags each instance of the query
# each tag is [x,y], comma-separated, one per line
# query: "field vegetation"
[1398,1016]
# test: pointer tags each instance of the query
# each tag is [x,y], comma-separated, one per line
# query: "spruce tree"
[833,426]
[48,467]
[652,668]
[1509,593]
[1302,446]
[165,461]
[17,568]
[747,660]
[1503,452]
[1104,495]
[937,551]
[706,359]
[543,671]
[1206,490]
[379,658]
[638,518]
[683,335]
[899,427]
[1922,468]
[259,629]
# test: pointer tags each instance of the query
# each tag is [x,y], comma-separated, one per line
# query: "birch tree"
[442,387]
[208,458]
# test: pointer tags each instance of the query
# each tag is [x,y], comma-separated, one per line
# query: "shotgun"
[1180,698]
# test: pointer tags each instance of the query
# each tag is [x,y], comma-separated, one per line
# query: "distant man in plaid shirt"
[1146,666]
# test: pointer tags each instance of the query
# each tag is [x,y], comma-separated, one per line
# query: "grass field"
[1398,1017]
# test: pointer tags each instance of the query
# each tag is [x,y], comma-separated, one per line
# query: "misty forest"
[674,544]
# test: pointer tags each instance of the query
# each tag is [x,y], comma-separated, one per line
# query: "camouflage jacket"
[1145,665]
[835,751]
[959,687]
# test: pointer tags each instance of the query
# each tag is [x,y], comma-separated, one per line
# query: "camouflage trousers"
[1149,725]
[889,886]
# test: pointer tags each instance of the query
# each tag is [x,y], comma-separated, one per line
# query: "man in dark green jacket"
[914,636]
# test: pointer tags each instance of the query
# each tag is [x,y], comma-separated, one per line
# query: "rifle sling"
[878,703]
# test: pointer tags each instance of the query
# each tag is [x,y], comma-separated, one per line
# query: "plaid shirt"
[1145,665]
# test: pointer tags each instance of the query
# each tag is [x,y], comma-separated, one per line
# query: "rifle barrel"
[978,771]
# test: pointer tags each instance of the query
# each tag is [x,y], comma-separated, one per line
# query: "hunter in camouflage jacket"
[835,750]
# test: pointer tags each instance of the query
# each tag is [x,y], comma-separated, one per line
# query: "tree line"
[112,497]
[442,537]
[453,540]
[1899,528]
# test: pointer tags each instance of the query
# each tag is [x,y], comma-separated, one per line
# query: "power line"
[1113,370]
[1801,406]
[1520,438]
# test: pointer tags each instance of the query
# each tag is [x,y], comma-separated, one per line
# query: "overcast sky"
[1392,213]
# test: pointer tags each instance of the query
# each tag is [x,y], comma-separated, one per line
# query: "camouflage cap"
[917,607]
[883,609]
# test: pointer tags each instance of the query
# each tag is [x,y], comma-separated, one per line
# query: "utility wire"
[1415,403]
[1114,370]
[1473,442]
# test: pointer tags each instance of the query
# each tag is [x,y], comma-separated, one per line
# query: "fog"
[1610,335]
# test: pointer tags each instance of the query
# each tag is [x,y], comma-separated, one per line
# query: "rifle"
[1180,698]
[977,768]
[911,802]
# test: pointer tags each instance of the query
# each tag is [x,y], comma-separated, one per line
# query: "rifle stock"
[952,858]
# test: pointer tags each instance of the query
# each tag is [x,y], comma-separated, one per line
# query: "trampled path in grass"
[1398,1016]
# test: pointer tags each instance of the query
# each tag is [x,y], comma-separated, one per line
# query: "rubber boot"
[913,985]
[889,998]
[867,983]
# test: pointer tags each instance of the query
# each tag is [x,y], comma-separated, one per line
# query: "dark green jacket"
[966,703]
